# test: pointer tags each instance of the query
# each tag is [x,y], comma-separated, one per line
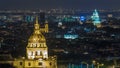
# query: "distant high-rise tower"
[95,19]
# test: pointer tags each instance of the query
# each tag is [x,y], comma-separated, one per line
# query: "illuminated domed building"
[37,48]
[95,19]
[36,52]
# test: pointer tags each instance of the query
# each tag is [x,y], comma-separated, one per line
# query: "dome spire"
[37,27]
[36,20]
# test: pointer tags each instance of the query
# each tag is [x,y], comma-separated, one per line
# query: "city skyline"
[59,34]
[49,4]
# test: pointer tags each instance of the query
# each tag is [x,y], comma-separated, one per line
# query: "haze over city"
[49,4]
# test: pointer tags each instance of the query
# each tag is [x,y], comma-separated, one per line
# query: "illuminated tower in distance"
[95,19]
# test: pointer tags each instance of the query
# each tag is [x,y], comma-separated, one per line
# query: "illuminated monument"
[95,19]
[36,52]
[37,48]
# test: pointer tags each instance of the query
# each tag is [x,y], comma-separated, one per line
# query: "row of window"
[36,45]
[29,64]
[35,53]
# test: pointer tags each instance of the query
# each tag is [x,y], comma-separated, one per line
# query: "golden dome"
[36,38]
[37,35]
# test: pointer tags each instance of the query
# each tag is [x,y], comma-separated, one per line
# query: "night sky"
[48,4]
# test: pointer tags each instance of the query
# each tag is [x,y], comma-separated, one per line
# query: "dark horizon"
[68,4]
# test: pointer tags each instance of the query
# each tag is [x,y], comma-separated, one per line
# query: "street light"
[93,63]
[98,65]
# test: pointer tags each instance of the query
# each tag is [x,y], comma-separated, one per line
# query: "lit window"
[33,53]
[29,53]
[38,52]
[41,45]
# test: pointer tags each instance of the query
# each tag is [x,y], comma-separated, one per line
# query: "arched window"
[40,63]
[50,63]
[20,63]
[36,53]
[29,64]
